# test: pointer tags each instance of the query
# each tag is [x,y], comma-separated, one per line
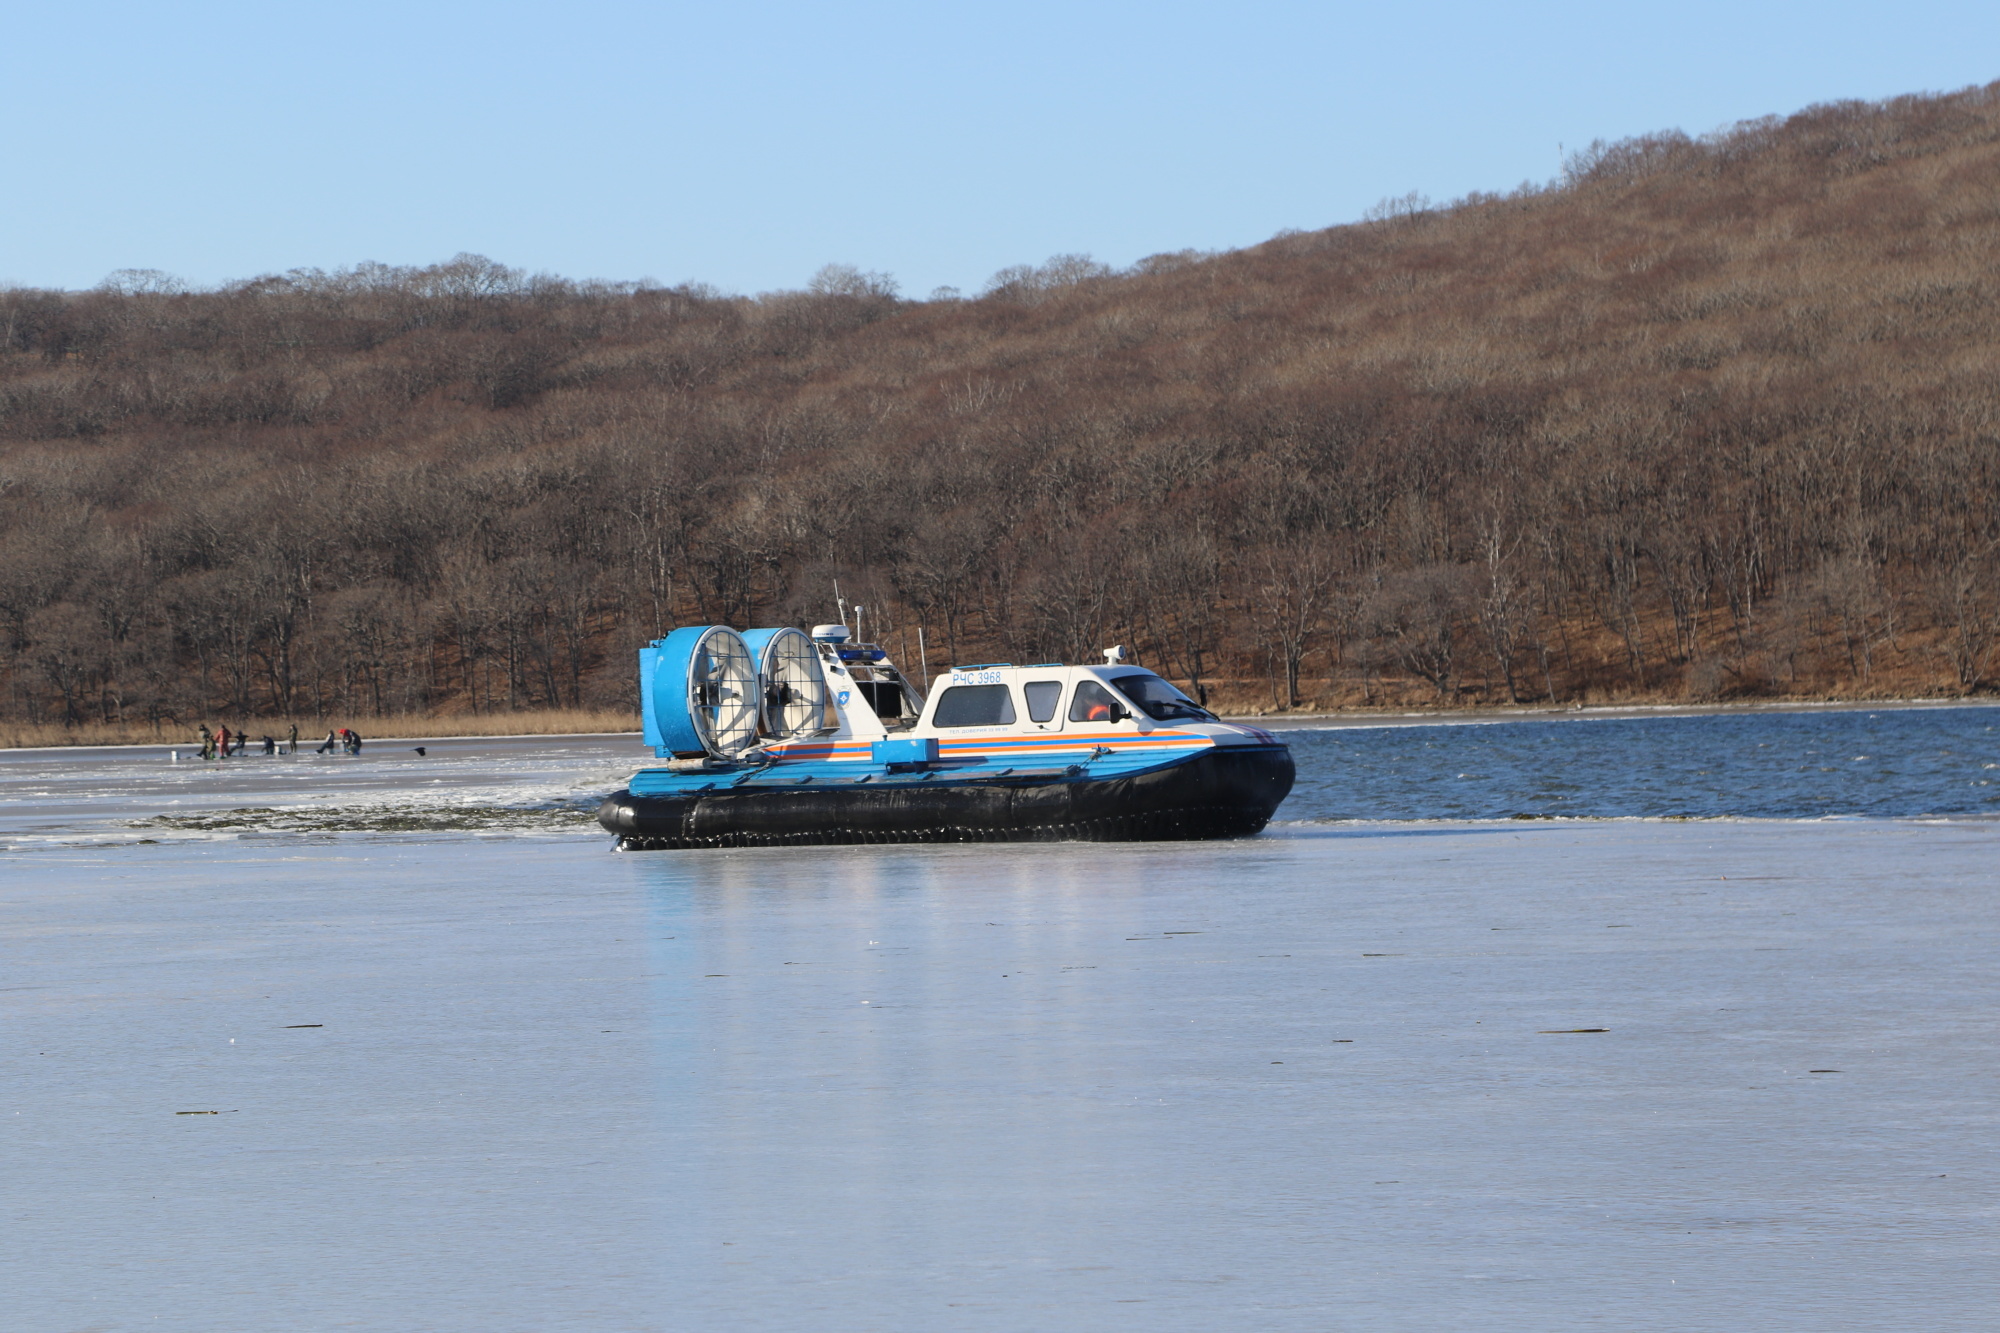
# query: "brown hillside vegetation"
[1709,418]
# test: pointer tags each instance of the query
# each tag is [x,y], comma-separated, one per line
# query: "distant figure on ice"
[207,742]
[270,745]
[222,742]
[354,742]
[327,746]
[294,746]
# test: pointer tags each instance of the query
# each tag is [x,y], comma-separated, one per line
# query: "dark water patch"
[442,819]
[1892,763]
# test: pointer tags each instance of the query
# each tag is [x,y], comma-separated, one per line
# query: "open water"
[1789,764]
[396,1044]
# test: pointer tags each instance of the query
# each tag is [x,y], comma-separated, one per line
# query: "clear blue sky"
[747,144]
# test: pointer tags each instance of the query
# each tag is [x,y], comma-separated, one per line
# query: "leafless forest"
[1705,419]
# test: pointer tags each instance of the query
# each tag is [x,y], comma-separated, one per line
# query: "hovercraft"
[773,737]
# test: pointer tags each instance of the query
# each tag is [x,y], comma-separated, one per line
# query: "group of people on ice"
[223,743]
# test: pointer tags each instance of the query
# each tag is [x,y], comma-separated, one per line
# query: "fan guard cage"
[794,693]
[704,697]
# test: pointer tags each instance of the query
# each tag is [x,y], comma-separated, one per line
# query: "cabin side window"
[1093,703]
[974,706]
[1043,696]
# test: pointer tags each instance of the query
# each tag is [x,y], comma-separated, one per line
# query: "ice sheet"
[1323,1079]
[131,794]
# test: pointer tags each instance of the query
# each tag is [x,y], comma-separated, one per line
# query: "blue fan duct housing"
[666,675]
[759,640]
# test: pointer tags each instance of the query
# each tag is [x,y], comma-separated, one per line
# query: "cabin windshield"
[1160,700]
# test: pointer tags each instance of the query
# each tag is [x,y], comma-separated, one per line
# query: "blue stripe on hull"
[1049,763]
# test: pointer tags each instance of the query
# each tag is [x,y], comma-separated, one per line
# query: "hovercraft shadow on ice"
[774,738]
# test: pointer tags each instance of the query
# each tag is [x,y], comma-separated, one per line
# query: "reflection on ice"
[1291,1083]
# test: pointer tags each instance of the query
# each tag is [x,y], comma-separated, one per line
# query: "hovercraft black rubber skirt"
[1223,793]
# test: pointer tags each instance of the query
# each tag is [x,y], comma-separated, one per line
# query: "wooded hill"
[1707,418]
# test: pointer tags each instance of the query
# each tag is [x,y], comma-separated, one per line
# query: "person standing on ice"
[222,741]
[294,744]
[207,742]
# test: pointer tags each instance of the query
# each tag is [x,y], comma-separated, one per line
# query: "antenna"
[840,602]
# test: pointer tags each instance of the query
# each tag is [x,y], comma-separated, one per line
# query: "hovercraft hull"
[1223,792]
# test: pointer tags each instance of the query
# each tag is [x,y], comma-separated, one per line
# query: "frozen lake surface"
[472,1072]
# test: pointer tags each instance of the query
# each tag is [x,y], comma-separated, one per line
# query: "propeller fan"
[794,694]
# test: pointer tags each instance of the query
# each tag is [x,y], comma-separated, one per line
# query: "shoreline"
[1272,722]
[1446,717]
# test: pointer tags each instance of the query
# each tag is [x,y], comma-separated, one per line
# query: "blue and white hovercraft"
[773,738]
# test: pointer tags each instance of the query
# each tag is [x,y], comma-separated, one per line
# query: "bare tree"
[1293,582]
[1419,615]
[1963,602]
